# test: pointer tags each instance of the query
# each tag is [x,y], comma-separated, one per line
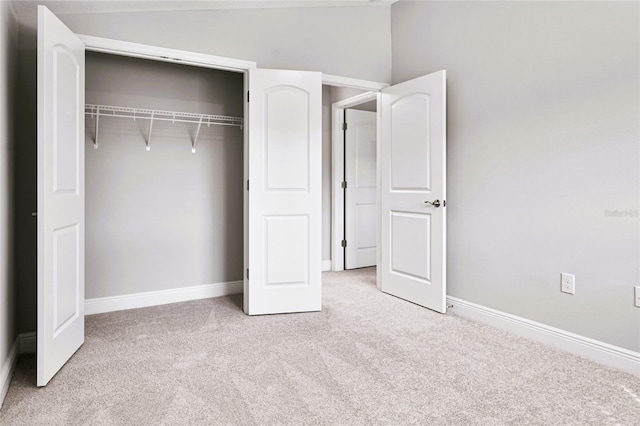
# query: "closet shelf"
[97,111]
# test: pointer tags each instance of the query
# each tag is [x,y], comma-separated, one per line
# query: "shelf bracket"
[195,140]
[149,138]
[95,140]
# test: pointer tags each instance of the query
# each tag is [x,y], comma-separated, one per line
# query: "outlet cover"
[568,283]
[637,296]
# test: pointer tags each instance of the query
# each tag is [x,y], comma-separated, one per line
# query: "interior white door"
[285,192]
[60,226]
[413,191]
[361,207]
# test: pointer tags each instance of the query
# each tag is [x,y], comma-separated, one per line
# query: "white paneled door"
[285,192]
[413,191]
[361,208]
[60,226]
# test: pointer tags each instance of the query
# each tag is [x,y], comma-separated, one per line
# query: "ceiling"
[61,7]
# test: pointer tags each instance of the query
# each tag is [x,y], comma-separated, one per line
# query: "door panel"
[60,226]
[285,142]
[287,138]
[408,259]
[410,148]
[361,207]
[413,226]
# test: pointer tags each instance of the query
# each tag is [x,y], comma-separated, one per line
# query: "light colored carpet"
[367,358]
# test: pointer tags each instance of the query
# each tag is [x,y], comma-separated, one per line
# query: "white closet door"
[361,208]
[413,191]
[285,199]
[60,195]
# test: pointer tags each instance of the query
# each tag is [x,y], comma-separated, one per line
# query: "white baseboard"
[160,297]
[24,343]
[326,265]
[7,370]
[595,350]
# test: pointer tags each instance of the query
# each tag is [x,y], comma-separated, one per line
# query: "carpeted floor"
[367,358]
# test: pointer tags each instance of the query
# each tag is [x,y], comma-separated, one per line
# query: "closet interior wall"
[164,218]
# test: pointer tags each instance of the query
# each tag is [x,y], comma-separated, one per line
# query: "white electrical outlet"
[568,283]
[637,296]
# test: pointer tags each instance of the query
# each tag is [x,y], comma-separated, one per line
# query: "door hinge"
[344,185]
[247,96]
[247,184]
[344,243]
[247,273]
[344,126]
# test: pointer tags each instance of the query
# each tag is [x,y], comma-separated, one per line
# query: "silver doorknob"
[435,203]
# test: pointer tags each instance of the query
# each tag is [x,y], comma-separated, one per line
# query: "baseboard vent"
[604,353]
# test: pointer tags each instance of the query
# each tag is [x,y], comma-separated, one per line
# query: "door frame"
[183,57]
[337,173]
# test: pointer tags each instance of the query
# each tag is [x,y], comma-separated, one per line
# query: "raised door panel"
[410,241]
[287,250]
[66,277]
[66,134]
[410,147]
[287,139]
[365,141]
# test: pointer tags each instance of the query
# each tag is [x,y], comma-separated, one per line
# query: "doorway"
[355,142]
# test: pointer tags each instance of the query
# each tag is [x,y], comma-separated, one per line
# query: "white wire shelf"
[97,111]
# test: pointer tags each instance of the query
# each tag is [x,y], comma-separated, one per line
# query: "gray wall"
[8,50]
[543,131]
[166,218]
[347,41]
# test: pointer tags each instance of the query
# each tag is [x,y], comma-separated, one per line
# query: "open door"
[361,206]
[60,226]
[285,192]
[413,191]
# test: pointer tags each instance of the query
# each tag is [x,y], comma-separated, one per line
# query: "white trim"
[355,83]
[595,350]
[379,190]
[8,366]
[337,173]
[136,50]
[326,265]
[25,343]
[160,297]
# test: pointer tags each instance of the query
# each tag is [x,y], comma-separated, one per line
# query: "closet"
[183,175]
[163,175]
